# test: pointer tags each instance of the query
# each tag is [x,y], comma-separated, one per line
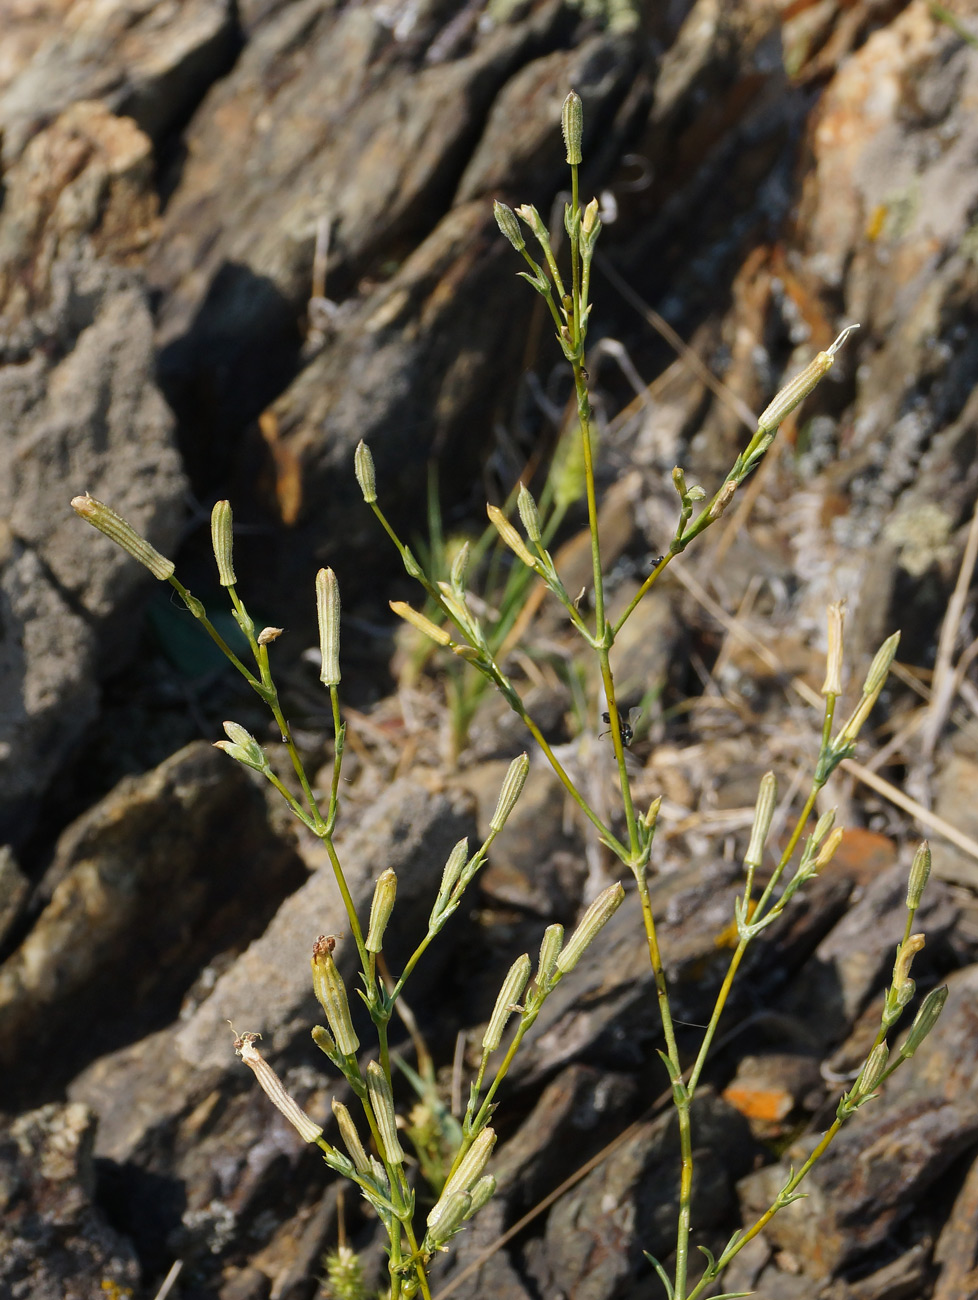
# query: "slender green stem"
[741,948]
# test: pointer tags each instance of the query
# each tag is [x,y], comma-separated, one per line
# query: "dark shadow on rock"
[144,1206]
[239,354]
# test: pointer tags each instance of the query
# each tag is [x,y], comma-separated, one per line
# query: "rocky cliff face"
[234,240]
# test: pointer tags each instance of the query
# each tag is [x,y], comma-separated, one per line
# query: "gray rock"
[55,1244]
[79,409]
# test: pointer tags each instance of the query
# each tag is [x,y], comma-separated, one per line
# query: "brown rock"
[139,60]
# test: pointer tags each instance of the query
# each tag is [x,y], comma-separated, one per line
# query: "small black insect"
[627,728]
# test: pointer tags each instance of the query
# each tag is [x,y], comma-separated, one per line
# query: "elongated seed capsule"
[833,657]
[798,389]
[403,610]
[222,541]
[924,1021]
[767,797]
[572,125]
[600,911]
[328,613]
[363,465]
[382,1104]
[508,225]
[528,513]
[331,992]
[512,788]
[510,536]
[351,1138]
[274,1089]
[106,520]
[472,1163]
[381,907]
[919,875]
[509,995]
[550,946]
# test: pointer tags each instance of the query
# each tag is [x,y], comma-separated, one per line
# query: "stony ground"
[235,239]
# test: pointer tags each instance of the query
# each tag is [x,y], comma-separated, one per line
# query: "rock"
[326,114]
[14,888]
[138,60]
[79,409]
[533,862]
[955,801]
[597,1231]
[886,1160]
[956,1251]
[167,870]
[766,1089]
[55,1244]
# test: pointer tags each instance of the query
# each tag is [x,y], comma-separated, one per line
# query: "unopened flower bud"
[410,615]
[106,520]
[459,566]
[601,910]
[382,1104]
[449,876]
[924,1021]
[506,1002]
[269,634]
[572,125]
[529,515]
[904,960]
[723,499]
[331,992]
[481,1193]
[363,465]
[508,225]
[875,680]
[919,875]
[828,850]
[510,536]
[512,788]
[446,1217]
[380,910]
[872,1071]
[798,389]
[351,1138]
[242,746]
[472,1163]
